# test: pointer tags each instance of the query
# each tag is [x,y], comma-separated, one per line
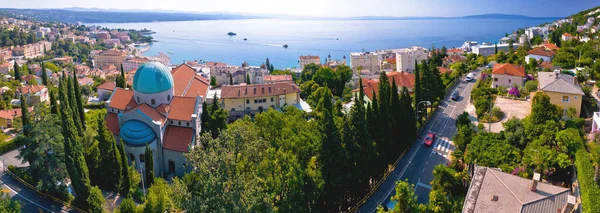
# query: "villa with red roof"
[567,37]
[508,75]
[539,54]
[162,111]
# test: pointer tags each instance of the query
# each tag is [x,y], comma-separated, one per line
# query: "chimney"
[570,205]
[536,179]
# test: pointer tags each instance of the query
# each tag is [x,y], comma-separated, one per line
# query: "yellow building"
[108,57]
[243,99]
[563,91]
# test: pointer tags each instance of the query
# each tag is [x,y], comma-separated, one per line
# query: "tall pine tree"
[384,145]
[17,72]
[396,119]
[110,160]
[74,111]
[79,101]
[230,79]
[410,127]
[149,165]
[53,104]
[417,90]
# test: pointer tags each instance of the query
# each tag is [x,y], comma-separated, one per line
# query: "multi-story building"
[406,58]
[6,67]
[468,45]
[162,111]
[34,94]
[508,75]
[5,55]
[32,50]
[270,79]
[455,51]
[562,89]
[103,35]
[567,37]
[108,57]
[364,61]
[490,49]
[246,99]
[132,63]
[225,74]
[309,59]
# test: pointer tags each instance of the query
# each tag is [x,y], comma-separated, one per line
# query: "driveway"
[510,107]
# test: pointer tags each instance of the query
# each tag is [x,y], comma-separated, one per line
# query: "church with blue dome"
[162,111]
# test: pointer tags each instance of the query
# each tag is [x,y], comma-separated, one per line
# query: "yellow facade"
[566,101]
[251,105]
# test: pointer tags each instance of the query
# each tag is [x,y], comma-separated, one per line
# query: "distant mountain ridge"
[98,15]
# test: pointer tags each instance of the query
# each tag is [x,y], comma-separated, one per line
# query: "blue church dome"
[152,77]
[136,133]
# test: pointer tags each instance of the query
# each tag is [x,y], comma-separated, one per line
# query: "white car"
[470,77]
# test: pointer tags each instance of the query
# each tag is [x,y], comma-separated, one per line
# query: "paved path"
[30,200]
[418,163]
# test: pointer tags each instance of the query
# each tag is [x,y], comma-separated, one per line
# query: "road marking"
[431,153]
[423,170]
[27,199]
[416,185]
[426,162]
[424,185]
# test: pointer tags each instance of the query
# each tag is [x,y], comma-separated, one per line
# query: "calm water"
[208,40]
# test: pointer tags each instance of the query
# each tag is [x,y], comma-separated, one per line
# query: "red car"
[429,139]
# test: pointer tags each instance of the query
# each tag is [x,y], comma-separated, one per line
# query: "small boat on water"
[170,53]
[231,34]
[245,39]
[285,46]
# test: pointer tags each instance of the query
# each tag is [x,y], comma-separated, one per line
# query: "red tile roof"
[509,69]
[183,108]
[309,57]
[109,86]
[12,113]
[150,112]
[540,52]
[546,64]
[403,79]
[550,46]
[188,83]
[31,89]
[163,109]
[112,122]
[455,50]
[258,90]
[121,99]
[278,78]
[178,138]
[444,70]
[567,34]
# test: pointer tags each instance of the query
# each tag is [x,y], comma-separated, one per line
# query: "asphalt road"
[417,164]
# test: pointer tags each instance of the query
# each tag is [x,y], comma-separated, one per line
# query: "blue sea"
[208,40]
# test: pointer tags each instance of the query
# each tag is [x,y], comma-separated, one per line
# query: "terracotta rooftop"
[550,46]
[509,69]
[112,122]
[278,78]
[455,50]
[567,34]
[306,57]
[403,79]
[188,83]
[444,70]
[178,138]
[31,89]
[258,90]
[109,86]
[183,107]
[121,98]
[150,112]
[540,52]
[12,113]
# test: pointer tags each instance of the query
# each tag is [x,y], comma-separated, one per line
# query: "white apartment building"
[490,49]
[366,60]
[309,59]
[405,58]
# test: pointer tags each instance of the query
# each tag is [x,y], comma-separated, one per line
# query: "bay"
[208,40]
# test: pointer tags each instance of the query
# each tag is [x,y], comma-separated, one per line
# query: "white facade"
[487,50]
[366,60]
[537,58]
[405,59]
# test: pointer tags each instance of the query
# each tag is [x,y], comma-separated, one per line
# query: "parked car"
[429,139]
[455,95]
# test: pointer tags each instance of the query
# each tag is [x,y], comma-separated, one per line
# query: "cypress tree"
[74,159]
[110,162]
[384,117]
[248,79]
[396,118]
[17,72]
[149,165]
[204,119]
[268,64]
[230,79]
[409,117]
[125,180]
[79,102]
[25,118]
[417,89]
[495,48]
[44,74]
[53,104]
[74,112]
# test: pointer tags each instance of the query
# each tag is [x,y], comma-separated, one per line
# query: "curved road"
[417,164]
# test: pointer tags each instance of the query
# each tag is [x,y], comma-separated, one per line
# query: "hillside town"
[93,124]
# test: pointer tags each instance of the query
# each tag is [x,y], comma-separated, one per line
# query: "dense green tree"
[463,137]
[79,101]
[7,205]
[248,79]
[44,74]
[110,161]
[541,112]
[96,201]
[213,81]
[307,88]
[127,206]
[204,119]
[126,182]
[17,71]
[409,120]
[384,145]
[230,79]
[74,109]
[405,199]
[149,166]
[159,197]
[218,118]
[308,72]
[489,150]
[53,104]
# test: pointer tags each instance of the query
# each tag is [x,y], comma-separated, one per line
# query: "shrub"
[531,86]
[100,105]
[590,191]
[12,144]
[514,92]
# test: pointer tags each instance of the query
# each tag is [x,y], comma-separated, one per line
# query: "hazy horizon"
[331,8]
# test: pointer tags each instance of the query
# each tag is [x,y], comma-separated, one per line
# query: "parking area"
[511,108]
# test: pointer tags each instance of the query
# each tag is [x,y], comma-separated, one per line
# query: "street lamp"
[427,103]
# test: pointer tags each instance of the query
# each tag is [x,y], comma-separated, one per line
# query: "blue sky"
[334,8]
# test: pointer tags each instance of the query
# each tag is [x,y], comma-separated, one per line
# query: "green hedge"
[100,105]
[12,144]
[590,191]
